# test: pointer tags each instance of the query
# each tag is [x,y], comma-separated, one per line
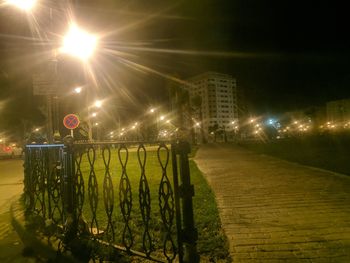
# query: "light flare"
[22,4]
[79,43]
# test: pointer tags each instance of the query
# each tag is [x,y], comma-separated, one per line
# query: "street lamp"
[79,43]
[22,4]
[78,90]
[98,104]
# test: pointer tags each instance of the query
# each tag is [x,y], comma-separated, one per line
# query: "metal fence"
[114,198]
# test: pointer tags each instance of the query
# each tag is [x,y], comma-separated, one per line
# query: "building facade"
[219,106]
[338,111]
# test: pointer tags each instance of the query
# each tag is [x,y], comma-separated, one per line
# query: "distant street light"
[94,114]
[98,104]
[78,90]
[22,4]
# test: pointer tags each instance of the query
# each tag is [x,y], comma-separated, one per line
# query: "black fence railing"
[115,197]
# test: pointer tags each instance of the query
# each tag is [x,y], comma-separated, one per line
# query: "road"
[277,211]
[11,182]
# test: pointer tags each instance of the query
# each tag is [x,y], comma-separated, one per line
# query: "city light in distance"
[98,104]
[94,114]
[77,90]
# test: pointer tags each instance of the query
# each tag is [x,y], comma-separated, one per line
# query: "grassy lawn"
[211,243]
[330,152]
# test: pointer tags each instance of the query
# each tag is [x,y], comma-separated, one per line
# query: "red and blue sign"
[71,121]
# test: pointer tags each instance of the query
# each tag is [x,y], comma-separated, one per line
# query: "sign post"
[71,122]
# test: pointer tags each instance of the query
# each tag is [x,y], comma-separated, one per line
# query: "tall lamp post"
[77,43]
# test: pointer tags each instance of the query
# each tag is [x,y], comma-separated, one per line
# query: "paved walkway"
[276,211]
[11,188]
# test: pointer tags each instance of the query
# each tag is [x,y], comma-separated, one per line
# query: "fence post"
[70,223]
[189,233]
[28,180]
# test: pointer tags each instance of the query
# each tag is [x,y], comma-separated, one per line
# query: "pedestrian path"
[277,211]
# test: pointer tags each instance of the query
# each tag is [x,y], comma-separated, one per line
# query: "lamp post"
[81,44]
[78,43]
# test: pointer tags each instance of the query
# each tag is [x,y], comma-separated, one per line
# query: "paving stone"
[277,211]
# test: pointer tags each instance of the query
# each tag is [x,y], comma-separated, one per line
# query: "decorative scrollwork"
[108,193]
[145,201]
[166,204]
[93,190]
[54,188]
[125,197]
[38,181]
[79,185]
[56,193]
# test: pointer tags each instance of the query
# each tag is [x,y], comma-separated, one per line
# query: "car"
[16,151]
[5,151]
[13,151]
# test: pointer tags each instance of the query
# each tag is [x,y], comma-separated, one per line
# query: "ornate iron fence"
[115,196]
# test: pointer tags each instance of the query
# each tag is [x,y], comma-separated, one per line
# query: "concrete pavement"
[277,211]
[11,188]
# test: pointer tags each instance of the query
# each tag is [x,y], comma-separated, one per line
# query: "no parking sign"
[71,121]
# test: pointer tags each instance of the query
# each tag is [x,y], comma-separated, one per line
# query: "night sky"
[286,55]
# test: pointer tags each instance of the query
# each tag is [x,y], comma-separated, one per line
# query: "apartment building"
[338,110]
[219,99]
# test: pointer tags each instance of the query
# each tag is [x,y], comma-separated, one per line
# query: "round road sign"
[71,121]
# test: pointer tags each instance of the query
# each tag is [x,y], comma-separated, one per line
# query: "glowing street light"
[94,114]
[162,118]
[152,110]
[22,4]
[79,43]
[77,90]
[98,104]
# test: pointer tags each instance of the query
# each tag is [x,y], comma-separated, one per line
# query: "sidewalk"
[276,211]
[12,248]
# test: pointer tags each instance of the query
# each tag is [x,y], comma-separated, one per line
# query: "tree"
[214,129]
[197,105]
[180,106]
